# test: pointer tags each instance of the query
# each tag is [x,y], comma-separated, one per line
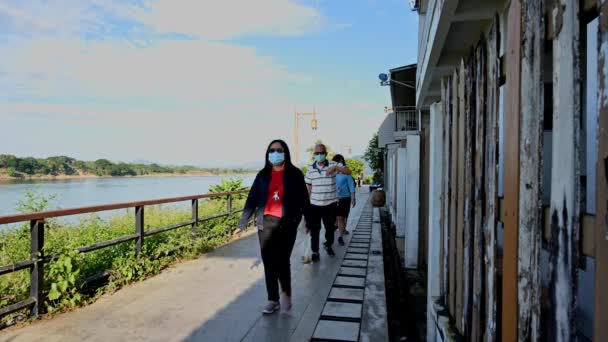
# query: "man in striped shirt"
[321,182]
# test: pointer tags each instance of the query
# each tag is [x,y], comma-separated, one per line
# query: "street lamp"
[314,125]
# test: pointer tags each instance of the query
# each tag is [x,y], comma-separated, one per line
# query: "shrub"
[67,271]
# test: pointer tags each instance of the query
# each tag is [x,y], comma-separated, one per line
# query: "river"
[93,191]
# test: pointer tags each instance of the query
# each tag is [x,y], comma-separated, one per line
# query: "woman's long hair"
[266,171]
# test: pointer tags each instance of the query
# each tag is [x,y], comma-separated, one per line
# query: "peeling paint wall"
[491,185]
[530,168]
[401,192]
[468,214]
[484,143]
[412,179]
[565,185]
[434,265]
[601,223]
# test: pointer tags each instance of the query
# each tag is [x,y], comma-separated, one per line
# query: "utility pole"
[314,124]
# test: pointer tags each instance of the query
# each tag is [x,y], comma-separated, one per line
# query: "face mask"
[320,158]
[276,158]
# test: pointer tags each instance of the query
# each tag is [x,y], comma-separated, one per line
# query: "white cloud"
[177,70]
[21,19]
[230,18]
[38,17]
[181,101]
[213,20]
[171,89]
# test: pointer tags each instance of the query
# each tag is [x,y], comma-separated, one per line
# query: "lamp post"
[314,125]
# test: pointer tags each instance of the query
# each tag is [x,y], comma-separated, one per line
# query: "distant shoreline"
[6,178]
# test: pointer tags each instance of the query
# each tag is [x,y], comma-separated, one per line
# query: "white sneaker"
[271,307]
[285,302]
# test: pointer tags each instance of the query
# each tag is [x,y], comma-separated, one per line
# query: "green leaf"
[63,285]
[54,294]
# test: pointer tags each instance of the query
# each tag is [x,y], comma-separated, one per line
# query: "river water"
[93,191]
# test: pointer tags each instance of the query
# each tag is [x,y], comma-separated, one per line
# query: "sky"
[197,82]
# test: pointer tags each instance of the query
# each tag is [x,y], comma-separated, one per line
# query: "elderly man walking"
[321,182]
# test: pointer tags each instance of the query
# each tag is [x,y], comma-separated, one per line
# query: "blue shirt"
[345,185]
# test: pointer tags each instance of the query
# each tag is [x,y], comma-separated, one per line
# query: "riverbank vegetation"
[67,278]
[16,167]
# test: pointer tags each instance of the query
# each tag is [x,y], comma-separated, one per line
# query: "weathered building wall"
[434,265]
[530,168]
[546,229]
[401,191]
[565,174]
[600,331]
[412,200]
[423,216]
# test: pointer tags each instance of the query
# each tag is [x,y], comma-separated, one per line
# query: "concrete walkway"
[356,306]
[217,297]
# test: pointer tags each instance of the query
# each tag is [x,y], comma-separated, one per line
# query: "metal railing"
[38,258]
[406,119]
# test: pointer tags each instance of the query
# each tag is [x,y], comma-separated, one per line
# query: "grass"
[65,275]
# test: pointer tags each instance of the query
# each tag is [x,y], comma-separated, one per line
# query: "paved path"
[217,297]
[355,309]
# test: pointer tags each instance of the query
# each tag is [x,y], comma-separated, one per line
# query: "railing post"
[139,228]
[194,213]
[230,204]
[37,271]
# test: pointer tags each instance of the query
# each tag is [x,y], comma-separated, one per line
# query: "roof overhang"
[451,29]
[401,94]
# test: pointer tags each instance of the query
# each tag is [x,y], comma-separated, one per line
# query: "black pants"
[276,242]
[327,214]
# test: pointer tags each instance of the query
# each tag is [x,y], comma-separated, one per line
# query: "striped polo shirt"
[323,190]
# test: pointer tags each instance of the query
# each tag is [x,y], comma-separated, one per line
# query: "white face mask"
[340,165]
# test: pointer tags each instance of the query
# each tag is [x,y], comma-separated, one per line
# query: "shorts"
[343,207]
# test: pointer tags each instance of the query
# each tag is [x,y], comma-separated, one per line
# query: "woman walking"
[279,199]
[345,188]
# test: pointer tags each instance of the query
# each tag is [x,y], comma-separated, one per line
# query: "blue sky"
[194,82]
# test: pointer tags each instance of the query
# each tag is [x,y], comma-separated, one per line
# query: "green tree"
[155,168]
[82,166]
[356,166]
[373,156]
[121,169]
[60,165]
[8,160]
[102,167]
[11,172]
[29,166]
